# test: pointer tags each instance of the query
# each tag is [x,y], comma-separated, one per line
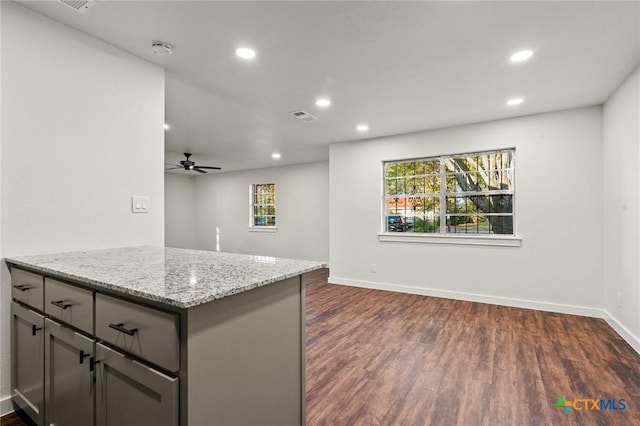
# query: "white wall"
[180,211]
[558,208]
[82,131]
[5,294]
[621,156]
[302,194]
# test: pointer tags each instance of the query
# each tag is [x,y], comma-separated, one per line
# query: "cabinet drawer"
[70,304]
[131,393]
[27,288]
[149,333]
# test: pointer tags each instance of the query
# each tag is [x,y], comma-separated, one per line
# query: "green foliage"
[426,225]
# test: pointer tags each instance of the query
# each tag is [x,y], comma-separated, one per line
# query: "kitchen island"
[153,335]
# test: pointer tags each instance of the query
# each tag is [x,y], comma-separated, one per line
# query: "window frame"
[252,203]
[442,237]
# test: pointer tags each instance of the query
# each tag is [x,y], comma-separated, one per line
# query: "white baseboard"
[471,297]
[584,311]
[632,340]
[5,406]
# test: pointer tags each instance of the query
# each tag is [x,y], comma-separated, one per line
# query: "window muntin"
[263,205]
[455,194]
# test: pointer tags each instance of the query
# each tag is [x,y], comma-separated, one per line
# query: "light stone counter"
[177,277]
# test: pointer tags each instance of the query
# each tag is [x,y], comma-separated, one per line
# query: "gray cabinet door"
[131,393]
[68,377]
[27,361]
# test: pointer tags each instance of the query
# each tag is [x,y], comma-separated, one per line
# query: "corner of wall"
[630,338]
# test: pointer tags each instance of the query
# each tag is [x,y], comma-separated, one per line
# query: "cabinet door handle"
[34,328]
[60,304]
[83,356]
[121,329]
[21,287]
[92,363]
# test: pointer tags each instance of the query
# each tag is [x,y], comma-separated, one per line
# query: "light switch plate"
[140,204]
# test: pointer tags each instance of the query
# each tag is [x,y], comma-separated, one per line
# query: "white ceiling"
[398,66]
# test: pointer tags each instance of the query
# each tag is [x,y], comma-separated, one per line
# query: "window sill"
[467,240]
[263,229]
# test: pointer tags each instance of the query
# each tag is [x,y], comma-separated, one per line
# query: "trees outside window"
[451,194]
[263,205]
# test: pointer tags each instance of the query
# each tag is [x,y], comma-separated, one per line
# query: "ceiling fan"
[190,165]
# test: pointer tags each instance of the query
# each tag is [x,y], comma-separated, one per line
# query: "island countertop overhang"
[180,278]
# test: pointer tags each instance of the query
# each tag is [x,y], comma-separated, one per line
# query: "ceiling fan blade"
[212,168]
[174,168]
[197,169]
[168,164]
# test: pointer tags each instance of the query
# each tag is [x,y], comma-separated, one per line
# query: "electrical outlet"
[619,300]
[373,268]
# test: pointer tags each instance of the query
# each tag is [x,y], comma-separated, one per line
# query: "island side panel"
[246,358]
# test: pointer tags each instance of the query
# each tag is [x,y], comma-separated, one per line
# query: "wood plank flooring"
[383,358]
[14,419]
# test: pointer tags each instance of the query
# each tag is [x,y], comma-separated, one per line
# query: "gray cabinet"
[84,355]
[69,304]
[69,364]
[131,393]
[27,355]
[146,332]
[27,288]
[61,377]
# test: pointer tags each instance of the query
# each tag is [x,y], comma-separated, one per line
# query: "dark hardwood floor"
[382,358]
[15,419]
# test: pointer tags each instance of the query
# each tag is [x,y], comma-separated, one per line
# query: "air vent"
[304,116]
[80,6]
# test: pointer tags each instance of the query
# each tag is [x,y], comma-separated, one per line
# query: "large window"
[451,194]
[263,205]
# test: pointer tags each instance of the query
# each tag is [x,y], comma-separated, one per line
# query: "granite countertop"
[176,277]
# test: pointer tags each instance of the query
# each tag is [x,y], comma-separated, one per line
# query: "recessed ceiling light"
[515,101]
[166,126]
[362,127]
[246,53]
[323,102]
[276,156]
[521,55]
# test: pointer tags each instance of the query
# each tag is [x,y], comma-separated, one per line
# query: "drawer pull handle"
[21,287]
[34,328]
[121,329]
[92,363]
[83,356]
[60,304]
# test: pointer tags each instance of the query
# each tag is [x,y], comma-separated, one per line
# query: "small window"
[263,205]
[470,194]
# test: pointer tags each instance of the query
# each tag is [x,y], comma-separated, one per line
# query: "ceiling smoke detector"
[161,48]
[303,115]
[80,6]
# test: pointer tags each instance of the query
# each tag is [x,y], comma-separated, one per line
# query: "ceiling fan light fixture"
[189,165]
[276,156]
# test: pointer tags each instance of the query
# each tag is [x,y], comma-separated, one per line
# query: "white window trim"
[467,240]
[263,229]
[252,227]
[443,237]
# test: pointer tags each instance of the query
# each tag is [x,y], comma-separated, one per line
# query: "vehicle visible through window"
[469,194]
